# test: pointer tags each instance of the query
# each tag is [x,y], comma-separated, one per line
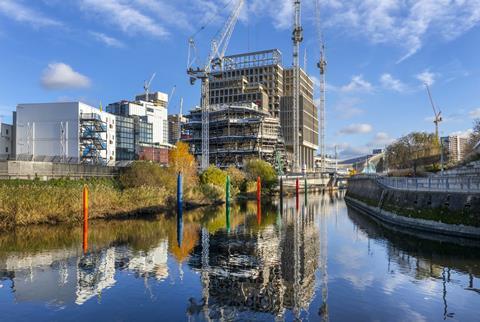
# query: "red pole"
[259,198]
[296,189]
[85,218]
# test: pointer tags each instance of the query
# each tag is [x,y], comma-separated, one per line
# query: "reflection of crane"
[438,115]
[297,37]
[215,61]
[322,65]
[146,86]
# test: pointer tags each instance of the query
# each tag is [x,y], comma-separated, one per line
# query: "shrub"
[237,180]
[264,170]
[214,176]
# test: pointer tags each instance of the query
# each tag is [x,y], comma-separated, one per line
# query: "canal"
[322,262]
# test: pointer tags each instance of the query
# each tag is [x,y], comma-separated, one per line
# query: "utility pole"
[297,38]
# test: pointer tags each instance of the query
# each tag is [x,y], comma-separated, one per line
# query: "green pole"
[227,198]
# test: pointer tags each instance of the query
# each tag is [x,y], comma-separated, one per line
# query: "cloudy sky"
[379,52]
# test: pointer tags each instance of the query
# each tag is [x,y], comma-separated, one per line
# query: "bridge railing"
[440,183]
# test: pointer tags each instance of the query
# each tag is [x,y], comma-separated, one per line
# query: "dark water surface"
[324,262]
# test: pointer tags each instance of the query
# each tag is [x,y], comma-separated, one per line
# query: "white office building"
[6,133]
[71,132]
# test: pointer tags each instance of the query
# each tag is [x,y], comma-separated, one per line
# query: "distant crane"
[146,86]
[437,119]
[322,65]
[438,115]
[214,61]
[171,96]
[297,38]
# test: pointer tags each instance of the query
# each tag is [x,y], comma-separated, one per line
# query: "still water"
[323,262]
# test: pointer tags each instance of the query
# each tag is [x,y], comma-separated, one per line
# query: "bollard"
[259,200]
[281,195]
[179,209]
[227,198]
[85,219]
[297,189]
[306,189]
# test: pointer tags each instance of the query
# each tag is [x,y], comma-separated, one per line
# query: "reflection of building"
[269,270]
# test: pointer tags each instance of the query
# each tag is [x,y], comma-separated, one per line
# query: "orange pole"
[85,218]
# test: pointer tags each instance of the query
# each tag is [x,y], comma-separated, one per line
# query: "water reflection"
[246,261]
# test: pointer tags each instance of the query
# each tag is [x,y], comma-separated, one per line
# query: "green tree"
[214,176]
[259,168]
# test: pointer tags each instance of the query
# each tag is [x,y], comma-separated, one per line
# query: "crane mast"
[297,37]
[214,62]
[322,66]
[438,115]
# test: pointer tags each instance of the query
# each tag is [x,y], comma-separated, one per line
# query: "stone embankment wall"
[437,211]
[50,170]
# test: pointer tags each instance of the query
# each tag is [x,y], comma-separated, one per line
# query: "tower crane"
[297,38]
[438,115]
[146,86]
[214,62]
[322,66]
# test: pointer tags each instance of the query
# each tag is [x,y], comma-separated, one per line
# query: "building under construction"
[259,78]
[238,133]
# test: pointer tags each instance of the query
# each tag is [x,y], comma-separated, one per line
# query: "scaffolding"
[92,144]
[237,134]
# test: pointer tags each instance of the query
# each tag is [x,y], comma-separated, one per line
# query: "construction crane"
[146,86]
[322,66]
[437,115]
[174,88]
[214,62]
[297,38]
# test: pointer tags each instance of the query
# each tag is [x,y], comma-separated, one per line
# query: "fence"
[437,183]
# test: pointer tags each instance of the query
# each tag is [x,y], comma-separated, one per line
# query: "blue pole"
[179,209]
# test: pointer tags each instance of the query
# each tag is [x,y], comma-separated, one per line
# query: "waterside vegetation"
[143,188]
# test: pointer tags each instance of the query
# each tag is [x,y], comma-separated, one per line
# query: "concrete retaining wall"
[451,208]
[49,170]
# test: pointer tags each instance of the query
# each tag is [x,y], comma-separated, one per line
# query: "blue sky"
[379,54]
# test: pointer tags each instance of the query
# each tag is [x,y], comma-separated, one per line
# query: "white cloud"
[426,77]
[124,16]
[361,128]
[357,84]
[475,113]
[107,40]
[389,82]
[21,13]
[404,23]
[168,13]
[381,139]
[346,108]
[354,151]
[62,76]
[464,134]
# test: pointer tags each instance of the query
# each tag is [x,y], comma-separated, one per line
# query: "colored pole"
[281,195]
[259,197]
[306,189]
[227,198]
[297,188]
[179,209]
[85,218]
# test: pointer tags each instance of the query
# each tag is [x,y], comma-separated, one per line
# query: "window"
[6,149]
[6,131]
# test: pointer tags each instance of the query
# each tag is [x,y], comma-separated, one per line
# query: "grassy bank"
[143,188]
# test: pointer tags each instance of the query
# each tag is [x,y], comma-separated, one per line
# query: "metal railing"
[436,183]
